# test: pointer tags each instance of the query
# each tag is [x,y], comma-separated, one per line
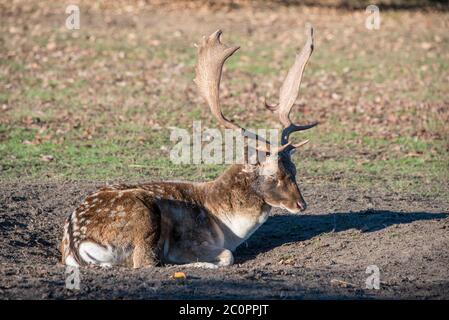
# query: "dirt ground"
[322,253]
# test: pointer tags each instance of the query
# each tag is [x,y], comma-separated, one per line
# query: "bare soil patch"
[320,254]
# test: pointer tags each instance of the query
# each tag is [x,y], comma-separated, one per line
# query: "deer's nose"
[302,205]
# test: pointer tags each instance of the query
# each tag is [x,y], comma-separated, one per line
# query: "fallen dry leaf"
[179,275]
[342,284]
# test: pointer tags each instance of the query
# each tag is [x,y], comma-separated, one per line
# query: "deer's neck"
[237,208]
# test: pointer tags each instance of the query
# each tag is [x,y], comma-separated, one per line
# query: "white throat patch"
[243,226]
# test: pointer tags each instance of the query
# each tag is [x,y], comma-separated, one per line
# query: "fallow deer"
[197,224]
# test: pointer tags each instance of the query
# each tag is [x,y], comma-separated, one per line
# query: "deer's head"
[277,185]
[274,179]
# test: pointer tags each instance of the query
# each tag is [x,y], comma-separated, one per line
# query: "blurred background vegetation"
[98,103]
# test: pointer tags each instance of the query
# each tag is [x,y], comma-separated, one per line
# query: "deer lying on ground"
[197,224]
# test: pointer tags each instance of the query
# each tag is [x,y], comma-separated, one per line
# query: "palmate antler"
[212,55]
[289,92]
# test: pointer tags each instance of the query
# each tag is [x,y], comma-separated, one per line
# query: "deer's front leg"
[210,257]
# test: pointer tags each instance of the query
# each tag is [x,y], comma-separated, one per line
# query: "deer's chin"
[295,210]
[282,206]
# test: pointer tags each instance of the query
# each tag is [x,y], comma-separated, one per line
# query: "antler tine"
[212,55]
[290,89]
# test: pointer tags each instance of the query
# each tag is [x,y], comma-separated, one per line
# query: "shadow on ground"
[288,228]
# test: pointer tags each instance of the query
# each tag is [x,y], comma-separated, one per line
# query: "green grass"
[95,159]
[107,110]
[125,157]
